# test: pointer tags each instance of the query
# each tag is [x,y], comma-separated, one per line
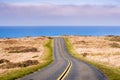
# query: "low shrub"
[80,42]
[22,64]
[84,54]
[115,45]
[35,56]
[114,38]
[19,49]
[4,61]
[9,41]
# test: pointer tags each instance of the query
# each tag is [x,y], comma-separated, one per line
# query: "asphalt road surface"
[65,67]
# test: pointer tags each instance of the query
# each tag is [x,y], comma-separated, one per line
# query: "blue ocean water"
[20,31]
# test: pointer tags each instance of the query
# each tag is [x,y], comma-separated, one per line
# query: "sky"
[59,12]
[75,2]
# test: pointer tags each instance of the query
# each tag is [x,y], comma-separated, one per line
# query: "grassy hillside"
[46,60]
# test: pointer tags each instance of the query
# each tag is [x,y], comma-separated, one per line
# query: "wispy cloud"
[75,2]
[53,14]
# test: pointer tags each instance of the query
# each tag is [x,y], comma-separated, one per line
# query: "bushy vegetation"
[8,41]
[115,45]
[19,49]
[4,61]
[113,38]
[111,72]
[35,56]
[27,63]
[80,42]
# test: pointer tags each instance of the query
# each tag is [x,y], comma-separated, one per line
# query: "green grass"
[111,72]
[47,57]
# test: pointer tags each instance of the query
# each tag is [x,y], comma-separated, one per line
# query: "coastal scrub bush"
[4,61]
[115,45]
[19,49]
[80,42]
[114,38]
[20,64]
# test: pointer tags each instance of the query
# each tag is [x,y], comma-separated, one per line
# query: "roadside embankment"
[86,46]
[25,56]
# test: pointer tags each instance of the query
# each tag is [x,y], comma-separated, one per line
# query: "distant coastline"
[34,31]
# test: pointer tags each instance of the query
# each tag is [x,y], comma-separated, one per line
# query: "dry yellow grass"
[36,43]
[101,49]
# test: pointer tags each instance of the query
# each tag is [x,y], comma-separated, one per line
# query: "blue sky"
[59,12]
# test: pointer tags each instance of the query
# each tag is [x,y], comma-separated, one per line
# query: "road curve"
[65,67]
[81,70]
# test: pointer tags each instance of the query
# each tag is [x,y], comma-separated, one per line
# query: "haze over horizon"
[59,13]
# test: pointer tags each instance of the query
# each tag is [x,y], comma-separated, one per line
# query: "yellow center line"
[67,70]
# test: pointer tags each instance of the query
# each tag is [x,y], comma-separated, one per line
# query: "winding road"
[65,67]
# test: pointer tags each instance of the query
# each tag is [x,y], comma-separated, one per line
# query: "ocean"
[21,31]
